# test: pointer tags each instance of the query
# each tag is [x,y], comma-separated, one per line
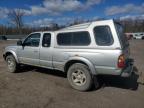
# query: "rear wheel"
[79,77]
[11,63]
[143,38]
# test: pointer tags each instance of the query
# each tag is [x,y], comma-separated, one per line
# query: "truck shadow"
[52,72]
[26,68]
[130,83]
[104,80]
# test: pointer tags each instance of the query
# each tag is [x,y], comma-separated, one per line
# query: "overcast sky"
[42,12]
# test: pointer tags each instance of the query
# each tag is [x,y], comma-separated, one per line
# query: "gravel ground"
[41,88]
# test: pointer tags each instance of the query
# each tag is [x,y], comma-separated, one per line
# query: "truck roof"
[79,26]
[84,25]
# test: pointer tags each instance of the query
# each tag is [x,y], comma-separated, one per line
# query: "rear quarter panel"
[104,61]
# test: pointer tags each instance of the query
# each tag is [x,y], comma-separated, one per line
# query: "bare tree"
[16,18]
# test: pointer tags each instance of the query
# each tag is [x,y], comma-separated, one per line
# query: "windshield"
[122,37]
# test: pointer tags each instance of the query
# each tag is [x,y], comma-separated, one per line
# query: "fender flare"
[84,60]
[13,53]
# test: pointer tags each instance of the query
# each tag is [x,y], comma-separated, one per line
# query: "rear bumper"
[126,72]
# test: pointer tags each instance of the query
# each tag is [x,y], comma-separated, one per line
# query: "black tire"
[13,66]
[84,77]
[143,38]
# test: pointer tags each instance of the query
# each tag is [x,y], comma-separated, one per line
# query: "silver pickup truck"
[82,51]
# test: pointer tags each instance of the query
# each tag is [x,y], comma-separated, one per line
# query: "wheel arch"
[10,53]
[80,60]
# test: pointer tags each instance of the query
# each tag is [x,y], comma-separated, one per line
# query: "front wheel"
[79,77]
[11,63]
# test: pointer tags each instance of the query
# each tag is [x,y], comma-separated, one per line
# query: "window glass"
[80,38]
[64,39]
[33,40]
[103,35]
[73,39]
[121,35]
[46,40]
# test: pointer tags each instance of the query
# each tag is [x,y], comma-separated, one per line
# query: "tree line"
[17,25]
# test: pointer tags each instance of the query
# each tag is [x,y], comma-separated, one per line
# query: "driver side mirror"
[19,43]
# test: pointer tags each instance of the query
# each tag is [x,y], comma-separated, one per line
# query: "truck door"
[46,51]
[29,52]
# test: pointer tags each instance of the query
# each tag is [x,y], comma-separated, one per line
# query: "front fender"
[86,61]
[11,52]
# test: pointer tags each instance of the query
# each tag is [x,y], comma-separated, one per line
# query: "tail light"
[121,61]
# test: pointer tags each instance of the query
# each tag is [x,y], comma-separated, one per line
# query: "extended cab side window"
[33,40]
[103,35]
[46,40]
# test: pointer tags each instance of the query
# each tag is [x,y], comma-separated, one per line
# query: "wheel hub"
[10,63]
[79,78]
